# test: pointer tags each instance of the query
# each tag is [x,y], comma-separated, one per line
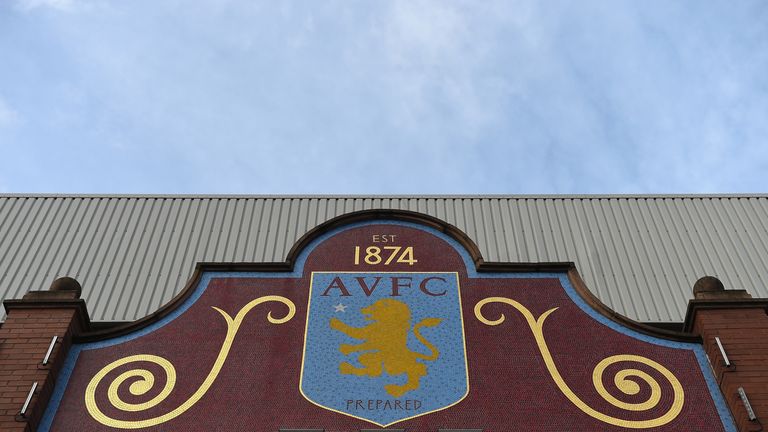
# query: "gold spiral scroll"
[621,380]
[146,379]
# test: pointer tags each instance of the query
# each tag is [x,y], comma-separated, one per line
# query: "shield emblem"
[384,347]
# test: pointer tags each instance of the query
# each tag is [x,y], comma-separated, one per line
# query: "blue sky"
[383,97]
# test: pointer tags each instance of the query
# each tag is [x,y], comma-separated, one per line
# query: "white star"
[340,308]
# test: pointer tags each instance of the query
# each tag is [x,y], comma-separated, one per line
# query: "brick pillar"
[741,323]
[25,338]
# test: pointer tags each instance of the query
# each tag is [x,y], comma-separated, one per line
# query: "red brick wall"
[743,332]
[24,340]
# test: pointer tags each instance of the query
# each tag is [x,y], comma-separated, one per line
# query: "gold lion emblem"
[385,342]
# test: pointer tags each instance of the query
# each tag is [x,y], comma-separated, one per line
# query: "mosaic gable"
[386,323]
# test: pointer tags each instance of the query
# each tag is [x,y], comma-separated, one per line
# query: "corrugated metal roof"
[639,254]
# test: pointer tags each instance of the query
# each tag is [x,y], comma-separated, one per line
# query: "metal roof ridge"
[382,196]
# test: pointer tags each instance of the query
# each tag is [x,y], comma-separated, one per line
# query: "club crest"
[384,347]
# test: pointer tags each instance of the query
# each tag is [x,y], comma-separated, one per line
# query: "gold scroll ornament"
[146,379]
[621,380]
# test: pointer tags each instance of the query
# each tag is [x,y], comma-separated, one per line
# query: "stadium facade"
[417,313]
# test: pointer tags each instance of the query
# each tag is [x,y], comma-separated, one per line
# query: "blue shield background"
[446,382]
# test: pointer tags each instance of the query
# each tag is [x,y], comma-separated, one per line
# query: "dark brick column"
[25,337]
[741,324]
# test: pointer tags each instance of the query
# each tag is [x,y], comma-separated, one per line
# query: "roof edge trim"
[381,196]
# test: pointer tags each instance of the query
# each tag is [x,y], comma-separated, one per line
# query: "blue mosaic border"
[74,353]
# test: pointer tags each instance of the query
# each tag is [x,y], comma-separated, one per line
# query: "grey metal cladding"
[639,254]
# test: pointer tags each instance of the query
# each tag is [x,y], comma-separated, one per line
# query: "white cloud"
[60,5]
[8,116]
[431,53]
[424,31]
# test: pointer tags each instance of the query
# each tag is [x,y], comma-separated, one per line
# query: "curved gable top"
[639,255]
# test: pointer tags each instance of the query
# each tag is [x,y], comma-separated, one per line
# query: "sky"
[383,97]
